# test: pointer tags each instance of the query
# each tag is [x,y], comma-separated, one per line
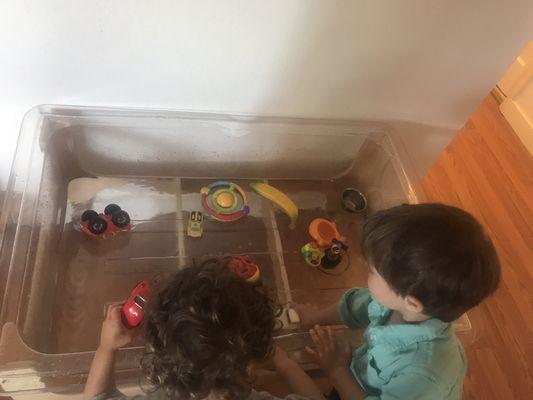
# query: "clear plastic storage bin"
[56,282]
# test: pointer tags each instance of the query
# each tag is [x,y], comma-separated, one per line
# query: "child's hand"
[114,334]
[327,353]
[281,358]
[307,313]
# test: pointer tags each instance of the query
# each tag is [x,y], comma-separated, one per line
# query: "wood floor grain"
[487,171]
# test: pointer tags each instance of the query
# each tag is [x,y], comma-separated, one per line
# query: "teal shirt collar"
[401,335]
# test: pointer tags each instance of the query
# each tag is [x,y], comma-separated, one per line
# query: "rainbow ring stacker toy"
[224,201]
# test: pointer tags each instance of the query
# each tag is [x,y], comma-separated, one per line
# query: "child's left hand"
[327,353]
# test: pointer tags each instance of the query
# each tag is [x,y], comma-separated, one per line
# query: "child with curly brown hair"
[204,333]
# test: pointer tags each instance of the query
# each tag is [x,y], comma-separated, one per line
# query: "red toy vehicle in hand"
[133,308]
[111,222]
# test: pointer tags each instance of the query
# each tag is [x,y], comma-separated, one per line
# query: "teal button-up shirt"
[405,361]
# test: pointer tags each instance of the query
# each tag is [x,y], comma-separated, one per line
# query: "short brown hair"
[434,252]
[203,330]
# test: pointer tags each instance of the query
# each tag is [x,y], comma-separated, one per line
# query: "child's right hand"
[114,334]
[327,353]
[307,313]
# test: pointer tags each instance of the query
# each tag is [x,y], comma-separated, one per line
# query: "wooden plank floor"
[487,171]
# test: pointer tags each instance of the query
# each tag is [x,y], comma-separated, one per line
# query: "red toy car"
[244,267]
[111,222]
[132,310]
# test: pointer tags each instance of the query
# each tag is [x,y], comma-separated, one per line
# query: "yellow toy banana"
[278,198]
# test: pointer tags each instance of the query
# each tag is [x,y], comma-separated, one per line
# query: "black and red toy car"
[111,222]
[133,308]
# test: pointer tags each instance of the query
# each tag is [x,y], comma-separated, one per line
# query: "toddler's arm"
[114,335]
[311,315]
[351,310]
[299,382]
[345,384]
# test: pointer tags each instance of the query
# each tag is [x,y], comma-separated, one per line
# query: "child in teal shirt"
[428,264]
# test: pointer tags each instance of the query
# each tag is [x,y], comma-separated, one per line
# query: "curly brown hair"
[202,332]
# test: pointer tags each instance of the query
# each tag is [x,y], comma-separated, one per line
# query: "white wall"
[423,61]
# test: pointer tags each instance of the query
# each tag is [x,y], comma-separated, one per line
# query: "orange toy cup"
[324,231]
